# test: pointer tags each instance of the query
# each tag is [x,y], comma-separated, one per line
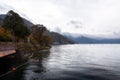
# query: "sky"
[92,17]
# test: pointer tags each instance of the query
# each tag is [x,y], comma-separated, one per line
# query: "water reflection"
[4,65]
[73,62]
[35,66]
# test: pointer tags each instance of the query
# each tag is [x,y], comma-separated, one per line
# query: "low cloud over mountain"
[84,38]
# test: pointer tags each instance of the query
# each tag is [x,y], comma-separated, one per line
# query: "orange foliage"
[2,30]
[5,35]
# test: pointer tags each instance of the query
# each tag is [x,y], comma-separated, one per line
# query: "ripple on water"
[75,62]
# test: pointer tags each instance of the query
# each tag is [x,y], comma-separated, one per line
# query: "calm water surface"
[73,62]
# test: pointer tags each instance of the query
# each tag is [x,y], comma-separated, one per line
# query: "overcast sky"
[98,17]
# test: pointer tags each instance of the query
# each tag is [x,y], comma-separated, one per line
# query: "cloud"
[75,24]
[57,29]
[4,8]
[84,16]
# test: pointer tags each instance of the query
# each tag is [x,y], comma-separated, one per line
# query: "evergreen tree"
[15,24]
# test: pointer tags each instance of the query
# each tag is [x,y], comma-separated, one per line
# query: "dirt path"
[6,49]
[5,53]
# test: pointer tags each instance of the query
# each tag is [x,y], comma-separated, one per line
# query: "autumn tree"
[5,35]
[37,31]
[38,35]
[46,40]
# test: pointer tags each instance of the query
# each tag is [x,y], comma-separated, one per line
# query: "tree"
[37,31]
[46,40]
[39,36]
[15,24]
[5,35]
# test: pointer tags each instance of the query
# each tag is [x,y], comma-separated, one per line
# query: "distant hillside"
[85,39]
[2,16]
[91,40]
[58,39]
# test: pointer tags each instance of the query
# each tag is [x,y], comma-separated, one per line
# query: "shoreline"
[22,63]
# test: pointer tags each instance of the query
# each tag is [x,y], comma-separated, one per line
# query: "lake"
[73,62]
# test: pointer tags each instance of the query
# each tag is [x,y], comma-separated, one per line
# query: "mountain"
[2,16]
[84,39]
[92,40]
[26,22]
[58,39]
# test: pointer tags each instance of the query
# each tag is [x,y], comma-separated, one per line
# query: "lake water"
[73,62]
